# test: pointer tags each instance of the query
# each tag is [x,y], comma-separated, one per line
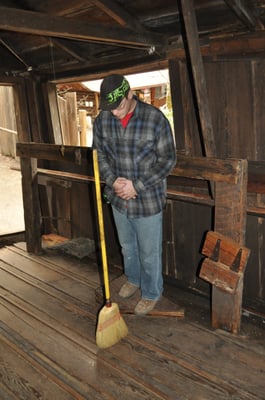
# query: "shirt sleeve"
[104,167]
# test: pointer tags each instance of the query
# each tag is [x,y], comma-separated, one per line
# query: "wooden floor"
[48,350]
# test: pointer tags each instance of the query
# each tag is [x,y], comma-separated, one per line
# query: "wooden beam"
[31,205]
[191,29]
[48,175]
[227,46]
[52,152]
[51,26]
[21,102]
[53,110]
[245,15]
[14,53]
[213,169]
[119,14]
[252,44]
[230,220]
[109,7]
[219,170]
[67,7]
[69,49]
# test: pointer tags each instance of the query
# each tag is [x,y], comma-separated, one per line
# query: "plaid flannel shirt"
[143,152]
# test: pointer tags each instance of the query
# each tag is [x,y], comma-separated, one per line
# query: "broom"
[111,326]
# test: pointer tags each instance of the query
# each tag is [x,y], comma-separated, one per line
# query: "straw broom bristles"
[111,326]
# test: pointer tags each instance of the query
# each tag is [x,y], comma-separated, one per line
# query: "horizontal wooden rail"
[198,168]
[45,174]
[53,152]
[190,197]
[212,169]
[204,168]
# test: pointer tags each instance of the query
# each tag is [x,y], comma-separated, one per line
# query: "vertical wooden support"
[230,220]
[83,127]
[191,29]
[183,112]
[189,17]
[24,126]
[31,204]
[53,112]
[72,118]
[169,257]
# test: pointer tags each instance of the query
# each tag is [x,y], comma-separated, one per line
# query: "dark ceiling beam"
[14,53]
[35,23]
[109,7]
[67,49]
[66,7]
[98,69]
[245,15]
[119,14]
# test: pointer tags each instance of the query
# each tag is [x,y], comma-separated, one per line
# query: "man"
[136,152]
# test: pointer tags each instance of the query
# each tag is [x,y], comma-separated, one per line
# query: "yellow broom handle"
[101,225]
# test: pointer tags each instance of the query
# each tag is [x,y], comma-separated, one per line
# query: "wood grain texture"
[48,312]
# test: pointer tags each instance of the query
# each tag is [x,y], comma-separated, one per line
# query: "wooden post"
[31,203]
[72,118]
[230,220]
[56,130]
[198,76]
[83,127]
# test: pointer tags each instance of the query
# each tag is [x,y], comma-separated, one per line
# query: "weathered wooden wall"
[236,91]
[239,120]
[235,107]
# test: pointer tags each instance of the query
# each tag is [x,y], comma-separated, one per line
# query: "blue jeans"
[141,246]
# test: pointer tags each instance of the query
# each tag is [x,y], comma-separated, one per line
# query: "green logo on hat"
[120,91]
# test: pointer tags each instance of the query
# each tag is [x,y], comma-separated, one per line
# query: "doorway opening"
[79,103]
[11,200]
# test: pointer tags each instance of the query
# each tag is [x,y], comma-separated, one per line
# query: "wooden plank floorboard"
[66,355]
[76,268]
[27,378]
[87,269]
[41,268]
[36,301]
[76,293]
[48,311]
[207,357]
[57,369]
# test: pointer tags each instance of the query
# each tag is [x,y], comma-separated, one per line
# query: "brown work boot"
[144,306]
[127,290]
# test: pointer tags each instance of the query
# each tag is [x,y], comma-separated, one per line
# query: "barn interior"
[206,340]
